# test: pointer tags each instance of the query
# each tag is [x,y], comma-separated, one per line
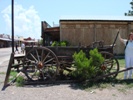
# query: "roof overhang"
[52,30]
[98,18]
[5,39]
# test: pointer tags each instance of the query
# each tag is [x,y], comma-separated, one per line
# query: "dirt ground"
[60,91]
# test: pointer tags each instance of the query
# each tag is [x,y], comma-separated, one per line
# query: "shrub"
[87,67]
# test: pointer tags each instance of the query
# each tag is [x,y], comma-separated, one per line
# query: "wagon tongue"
[40,65]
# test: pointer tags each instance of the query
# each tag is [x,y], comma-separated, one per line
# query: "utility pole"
[12,26]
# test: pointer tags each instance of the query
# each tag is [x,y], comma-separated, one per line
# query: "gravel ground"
[60,92]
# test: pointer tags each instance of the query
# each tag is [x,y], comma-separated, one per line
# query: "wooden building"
[30,41]
[49,33]
[5,41]
[85,30]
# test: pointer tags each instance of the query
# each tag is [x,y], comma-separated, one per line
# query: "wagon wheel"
[40,63]
[110,64]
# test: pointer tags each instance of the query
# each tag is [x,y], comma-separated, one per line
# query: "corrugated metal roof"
[103,18]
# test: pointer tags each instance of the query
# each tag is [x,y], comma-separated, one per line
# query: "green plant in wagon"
[64,43]
[87,68]
[55,43]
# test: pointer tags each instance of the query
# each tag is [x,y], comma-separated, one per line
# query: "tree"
[130,12]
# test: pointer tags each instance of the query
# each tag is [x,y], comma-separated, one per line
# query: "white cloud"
[27,22]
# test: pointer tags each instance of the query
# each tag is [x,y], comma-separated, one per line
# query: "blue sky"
[28,14]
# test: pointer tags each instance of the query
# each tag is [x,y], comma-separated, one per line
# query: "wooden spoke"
[37,55]
[34,57]
[42,55]
[46,57]
[48,60]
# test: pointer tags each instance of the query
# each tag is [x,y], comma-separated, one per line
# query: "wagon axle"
[103,67]
[39,65]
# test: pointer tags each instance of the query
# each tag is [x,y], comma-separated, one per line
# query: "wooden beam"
[8,71]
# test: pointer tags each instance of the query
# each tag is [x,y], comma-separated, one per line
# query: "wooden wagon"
[46,63]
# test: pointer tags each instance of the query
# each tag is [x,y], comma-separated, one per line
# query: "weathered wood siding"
[86,32]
